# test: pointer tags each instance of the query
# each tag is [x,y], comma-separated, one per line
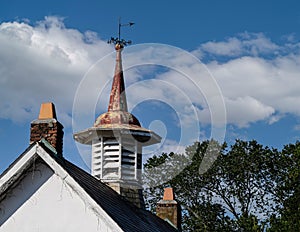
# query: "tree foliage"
[244,187]
[288,191]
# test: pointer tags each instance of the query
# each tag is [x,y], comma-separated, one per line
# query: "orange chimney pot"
[168,194]
[47,111]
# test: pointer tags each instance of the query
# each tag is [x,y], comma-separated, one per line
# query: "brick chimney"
[47,127]
[168,209]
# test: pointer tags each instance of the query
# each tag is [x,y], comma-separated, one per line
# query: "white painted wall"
[42,201]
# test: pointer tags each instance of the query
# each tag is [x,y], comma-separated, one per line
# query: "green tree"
[220,188]
[288,191]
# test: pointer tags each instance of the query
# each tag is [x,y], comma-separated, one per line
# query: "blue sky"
[251,49]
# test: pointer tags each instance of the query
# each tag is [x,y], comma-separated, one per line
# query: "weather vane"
[118,40]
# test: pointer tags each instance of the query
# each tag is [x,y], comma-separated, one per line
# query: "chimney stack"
[47,127]
[168,209]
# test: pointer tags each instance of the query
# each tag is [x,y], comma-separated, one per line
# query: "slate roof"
[126,215]
[129,217]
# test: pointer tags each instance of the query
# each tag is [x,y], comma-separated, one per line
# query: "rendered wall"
[42,201]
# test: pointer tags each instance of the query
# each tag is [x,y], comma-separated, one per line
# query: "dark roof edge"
[17,159]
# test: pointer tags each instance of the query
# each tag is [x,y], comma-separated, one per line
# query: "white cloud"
[43,63]
[297,127]
[231,47]
[243,44]
[244,110]
[275,118]
[274,84]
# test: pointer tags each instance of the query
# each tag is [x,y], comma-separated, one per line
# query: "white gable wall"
[43,201]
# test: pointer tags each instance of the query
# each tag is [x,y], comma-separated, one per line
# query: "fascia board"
[15,171]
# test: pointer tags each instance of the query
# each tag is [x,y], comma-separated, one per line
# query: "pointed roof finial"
[117,112]
[119,42]
[117,100]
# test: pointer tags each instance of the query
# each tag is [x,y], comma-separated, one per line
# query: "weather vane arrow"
[118,40]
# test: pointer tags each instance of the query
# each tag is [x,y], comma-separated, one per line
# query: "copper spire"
[117,113]
[117,117]
[117,100]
